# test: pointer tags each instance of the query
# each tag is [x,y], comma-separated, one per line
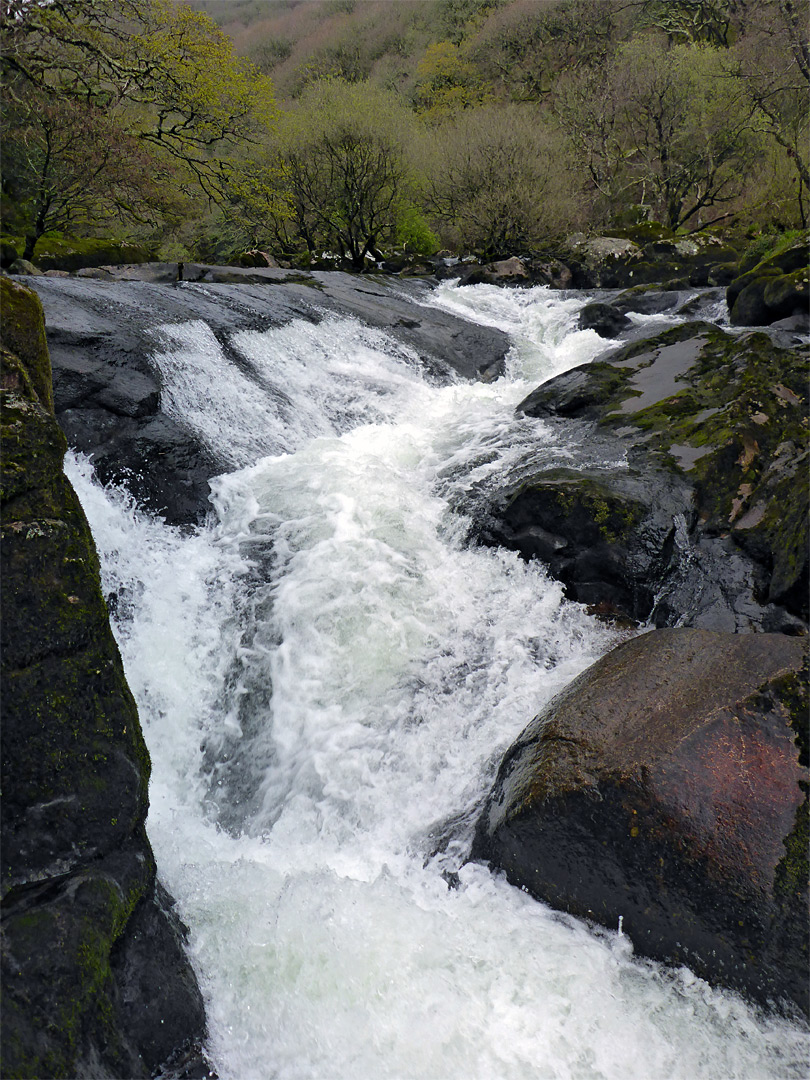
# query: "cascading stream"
[328,676]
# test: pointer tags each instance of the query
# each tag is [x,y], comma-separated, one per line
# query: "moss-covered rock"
[629,258]
[664,793]
[24,336]
[75,253]
[714,430]
[9,251]
[789,293]
[76,864]
[775,288]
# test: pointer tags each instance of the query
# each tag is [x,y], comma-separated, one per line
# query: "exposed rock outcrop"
[776,288]
[103,333]
[690,501]
[79,895]
[666,787]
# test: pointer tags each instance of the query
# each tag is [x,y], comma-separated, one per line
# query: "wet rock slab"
[103,332]
[667,787]
[685,500]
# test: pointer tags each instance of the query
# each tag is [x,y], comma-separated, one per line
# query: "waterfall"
[328,674]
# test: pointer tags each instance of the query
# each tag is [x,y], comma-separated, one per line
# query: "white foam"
[327,679]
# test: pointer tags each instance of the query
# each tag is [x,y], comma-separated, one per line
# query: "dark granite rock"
[788,295]
[78,876]
[646,301]
[776,288]
[749,307]
[666,787]
[605,319]
[689,503]
[102,337]
[632,257]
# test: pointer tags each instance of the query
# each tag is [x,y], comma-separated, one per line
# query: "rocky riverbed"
[687,510]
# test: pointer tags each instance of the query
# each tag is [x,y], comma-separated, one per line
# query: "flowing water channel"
[328,675]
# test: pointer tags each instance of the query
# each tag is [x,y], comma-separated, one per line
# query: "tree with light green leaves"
[664,126]
[498,181]
[772,63]
[152,91]
[344,172]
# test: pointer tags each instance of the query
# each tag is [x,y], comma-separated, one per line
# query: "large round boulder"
[775,288]
[664,793]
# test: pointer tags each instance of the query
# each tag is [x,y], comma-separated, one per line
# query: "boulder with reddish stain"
[667,786]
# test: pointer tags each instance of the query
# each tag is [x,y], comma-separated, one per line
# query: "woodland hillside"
[352,129]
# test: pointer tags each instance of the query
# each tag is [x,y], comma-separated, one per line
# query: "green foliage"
[497,181]
[120,110]
[772,64]
[343,169]
[414,233]
[693,110]
[663,127]
[446,83]
[767,245]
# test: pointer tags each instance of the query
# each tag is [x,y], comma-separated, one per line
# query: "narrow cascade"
[328,674]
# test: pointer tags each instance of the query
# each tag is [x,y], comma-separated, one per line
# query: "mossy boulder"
[776,288]
[9,252]
[788,294]
[24,336]
[706,434]
[664,794]
[75,253]
[76,863]
[628,258]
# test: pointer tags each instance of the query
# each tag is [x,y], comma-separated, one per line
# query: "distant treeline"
[358,127]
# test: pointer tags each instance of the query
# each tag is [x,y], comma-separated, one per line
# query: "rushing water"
[327,677]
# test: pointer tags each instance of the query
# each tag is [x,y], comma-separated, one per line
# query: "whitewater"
[328,673]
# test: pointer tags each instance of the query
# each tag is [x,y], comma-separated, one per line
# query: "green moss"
[74,253]
[742,400]
[23,334]
[790,880]
[79,934]
[575,494]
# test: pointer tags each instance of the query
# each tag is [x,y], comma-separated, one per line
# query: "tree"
[67,164]
[154,80]
[590,114]
[497,181]
[666,124]
[690,140]
[446,83]
[343,168]
[711,22]
[773,64]
[527,45]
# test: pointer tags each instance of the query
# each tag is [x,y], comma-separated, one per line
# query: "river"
[328,674]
